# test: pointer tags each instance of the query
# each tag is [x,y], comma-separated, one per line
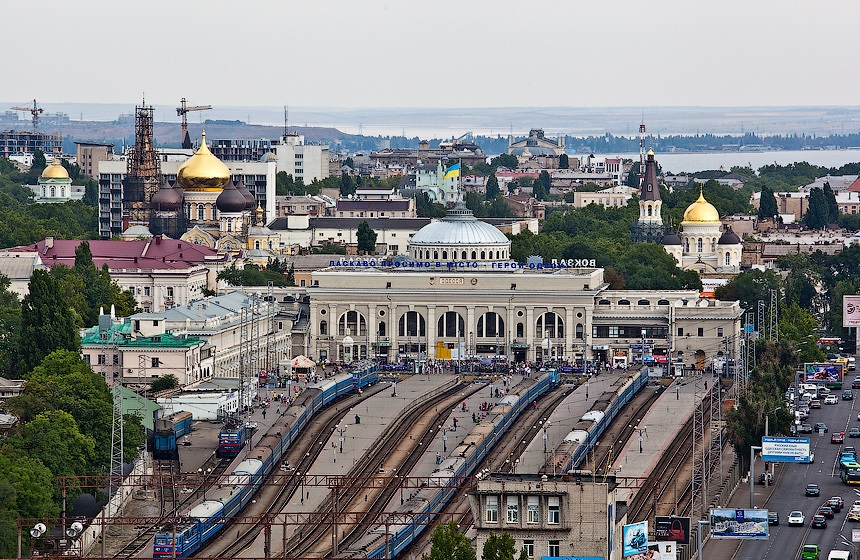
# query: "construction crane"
[34,110]
[183,112]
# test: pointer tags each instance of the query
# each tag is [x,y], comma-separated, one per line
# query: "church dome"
[459,227]
[671,238]
[203,171]
[701,211]
[230,200]
[729,237]
[55,171]
[250,201]
[166,198]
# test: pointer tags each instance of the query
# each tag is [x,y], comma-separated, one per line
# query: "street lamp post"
[853,545]
[444,439]
[341,430]
[643,348]
[545,436]
[642,431]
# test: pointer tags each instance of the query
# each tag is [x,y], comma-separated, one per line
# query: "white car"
[831,399]
[795,518]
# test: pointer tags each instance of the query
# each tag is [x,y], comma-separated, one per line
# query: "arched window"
[412,324]
[323,327]
[435,255]
[229,224]
[580,332]
[649,211]
[445,255]
[604,302]
[623,302]
[474,255]
[483,255]
[53,192]
[269,244]
[663,302]
[491,324]
[549,325]
[520,330]
[257,244]
[643,302]
[451,325]
[380,330]
[699,245]
[713,245]
[686,245]
[62,192]
[199,211]
[44,192]
[352,323]
[728,259]
[464,256]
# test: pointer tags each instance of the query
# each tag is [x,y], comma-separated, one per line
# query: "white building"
[308,162]
[55,186]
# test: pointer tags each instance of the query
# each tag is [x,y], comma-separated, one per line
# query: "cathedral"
[703,243]
[206,206]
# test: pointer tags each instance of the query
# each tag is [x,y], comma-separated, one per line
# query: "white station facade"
[459,295]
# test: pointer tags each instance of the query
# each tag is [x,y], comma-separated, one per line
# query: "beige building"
[89,154]
[570,517]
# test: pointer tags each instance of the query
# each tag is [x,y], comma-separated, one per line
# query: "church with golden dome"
[55,186]
[207,206]
[703,244]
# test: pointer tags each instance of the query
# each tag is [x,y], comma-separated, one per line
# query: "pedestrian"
[264,414]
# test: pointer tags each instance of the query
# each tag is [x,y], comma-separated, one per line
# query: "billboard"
[851,311]
[675,529]
[634,538]
[658,551]
[823,373]
[739,524]
[785,450]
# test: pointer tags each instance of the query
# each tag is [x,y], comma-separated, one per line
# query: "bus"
[850,473]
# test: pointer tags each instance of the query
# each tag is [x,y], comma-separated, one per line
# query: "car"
[847,395]
[854,432]
[837,437]
[813,490]
[765,478]
[818,522]
[856,383]
[772,517]
[827,512]
[840,503]
[820,427]
[831,399]
[849,449]
[805,429]
[810,552]
[815,403]
[796,518]
[854,513]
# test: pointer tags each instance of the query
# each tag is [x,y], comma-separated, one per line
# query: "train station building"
[459,295]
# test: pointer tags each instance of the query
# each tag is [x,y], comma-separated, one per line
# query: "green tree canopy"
[164,383]
[492,187]
[47,322]
[448,543]
[366,238]
[767,205]
[499,546]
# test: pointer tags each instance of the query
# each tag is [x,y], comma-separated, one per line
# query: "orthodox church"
[206,206]
[703,243]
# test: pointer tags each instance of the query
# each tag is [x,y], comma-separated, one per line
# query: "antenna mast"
[641,154]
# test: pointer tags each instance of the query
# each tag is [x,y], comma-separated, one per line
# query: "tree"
[505,160]
[492,187]
[53,438]
[47,323]
[39,161]
[767,206]
[164,383]
[818,214]
[542,186]
[91,193]
[499,547]
[347,185]
[832,206]
[563,161]
[366,238]
[10,321]
[448,543]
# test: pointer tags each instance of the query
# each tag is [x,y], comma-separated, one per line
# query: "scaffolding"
[144,170]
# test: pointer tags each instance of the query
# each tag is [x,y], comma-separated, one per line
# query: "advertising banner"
[826,373]
[850,311]
[658,551]
[634,538]
[785,450]
[739,523]
[675,529]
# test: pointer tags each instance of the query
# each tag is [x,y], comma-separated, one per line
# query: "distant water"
[690,162]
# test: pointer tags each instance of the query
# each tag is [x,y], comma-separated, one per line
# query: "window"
[520,330]
[170,293]
[323,327]
[554,548]
[102,359]
[701,332]
[728,260]
[719,331]
[529,545]
[532,515]
[155,362]
[553,513]
[699,245]
[492,509]
[86,358]
[146,290]
[513,510]
[116,359]
[680,331]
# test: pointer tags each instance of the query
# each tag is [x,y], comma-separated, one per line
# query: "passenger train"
[167,431]
[425,503]
[226,500]
[592,424]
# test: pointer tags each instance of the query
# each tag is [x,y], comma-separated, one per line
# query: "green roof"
[120,335]
[132,403]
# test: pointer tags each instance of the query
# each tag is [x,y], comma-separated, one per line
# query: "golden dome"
[55,171]
[203,172]
[701,211]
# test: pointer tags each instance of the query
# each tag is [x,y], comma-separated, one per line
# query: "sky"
[462,53]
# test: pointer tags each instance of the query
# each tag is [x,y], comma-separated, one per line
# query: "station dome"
[459,227]
[701,211]
[203,172]
[55,171]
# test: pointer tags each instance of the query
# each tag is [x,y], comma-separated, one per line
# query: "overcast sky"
[493,53]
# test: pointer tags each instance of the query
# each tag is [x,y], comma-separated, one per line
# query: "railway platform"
[638,458]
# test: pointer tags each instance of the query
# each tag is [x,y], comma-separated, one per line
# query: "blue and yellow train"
[167,431]
[225,501]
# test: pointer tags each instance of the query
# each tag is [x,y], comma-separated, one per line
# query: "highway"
[789,492]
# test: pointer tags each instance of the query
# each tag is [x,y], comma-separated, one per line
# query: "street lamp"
[444,440]
[853,545]
[545,436]
[341,430]
[642,430]
[643,347]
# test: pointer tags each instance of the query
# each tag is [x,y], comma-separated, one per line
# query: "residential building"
[308,162]
[14,142]
[89,154]
[18,267]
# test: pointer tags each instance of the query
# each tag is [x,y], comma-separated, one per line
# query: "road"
[789,492]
